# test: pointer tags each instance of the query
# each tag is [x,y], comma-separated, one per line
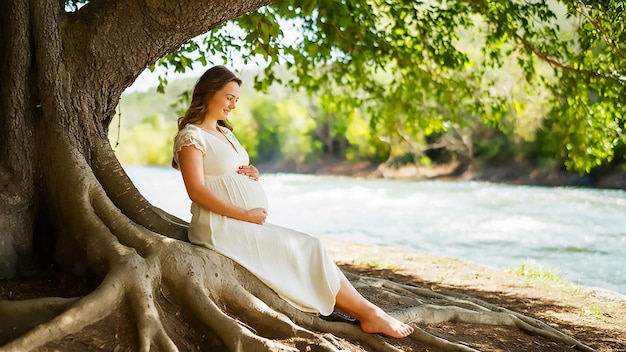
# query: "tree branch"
[112,57]
[610,42]
[546,58]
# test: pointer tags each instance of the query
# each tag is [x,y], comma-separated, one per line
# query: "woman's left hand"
[250,171]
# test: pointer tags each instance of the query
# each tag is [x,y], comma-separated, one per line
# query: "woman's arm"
[190,163]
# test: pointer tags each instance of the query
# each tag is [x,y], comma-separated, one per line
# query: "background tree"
[66,199]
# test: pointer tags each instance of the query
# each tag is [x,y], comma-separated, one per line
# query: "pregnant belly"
[239,190]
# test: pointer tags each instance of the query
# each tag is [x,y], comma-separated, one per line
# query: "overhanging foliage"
[430,64]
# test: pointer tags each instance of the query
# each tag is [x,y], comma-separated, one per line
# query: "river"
[577,233]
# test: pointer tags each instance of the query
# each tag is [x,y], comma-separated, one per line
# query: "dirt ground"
[594,317]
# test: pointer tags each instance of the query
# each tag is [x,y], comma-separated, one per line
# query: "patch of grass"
[537,275]
[374,264]
[534,273]
[593,312]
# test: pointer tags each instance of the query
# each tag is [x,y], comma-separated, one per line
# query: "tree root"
[224,304]
[83,312]
[219,294]
[20,316]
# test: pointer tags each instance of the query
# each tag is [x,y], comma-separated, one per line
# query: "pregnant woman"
[229,208]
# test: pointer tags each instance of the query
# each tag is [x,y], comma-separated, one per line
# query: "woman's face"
[223,101]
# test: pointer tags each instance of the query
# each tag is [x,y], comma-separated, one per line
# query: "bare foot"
[377,321]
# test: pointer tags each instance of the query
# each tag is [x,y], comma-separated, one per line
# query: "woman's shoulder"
[190,127]
[190,135]
[190,130]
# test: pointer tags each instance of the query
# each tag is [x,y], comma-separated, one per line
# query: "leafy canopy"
[427,66]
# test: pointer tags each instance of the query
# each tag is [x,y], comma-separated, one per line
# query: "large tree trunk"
[61,187]
[62,75]
[17,147]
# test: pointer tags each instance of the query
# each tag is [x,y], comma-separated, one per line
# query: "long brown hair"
[210,82]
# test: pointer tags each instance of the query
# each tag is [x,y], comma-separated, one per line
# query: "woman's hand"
[250,171]
[257,215]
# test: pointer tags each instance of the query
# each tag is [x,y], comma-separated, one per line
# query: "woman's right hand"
[257,215]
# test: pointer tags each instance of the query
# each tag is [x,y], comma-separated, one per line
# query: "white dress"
[294,264]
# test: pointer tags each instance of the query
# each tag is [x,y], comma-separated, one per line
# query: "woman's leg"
[372,318]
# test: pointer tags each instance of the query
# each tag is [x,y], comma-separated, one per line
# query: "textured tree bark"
[18,202]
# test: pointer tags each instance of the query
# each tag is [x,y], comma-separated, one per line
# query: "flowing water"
[579,234]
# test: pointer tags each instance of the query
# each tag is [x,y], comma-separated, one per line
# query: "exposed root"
[124,195]
[234,334]
[219,294]
[373,342]
[20,316]
[432,340]
[141,297]
[85,311]
[278,326]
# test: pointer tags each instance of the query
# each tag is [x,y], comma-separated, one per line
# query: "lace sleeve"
[187,137]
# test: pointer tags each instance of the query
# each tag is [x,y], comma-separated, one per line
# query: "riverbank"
[509,173]
[595,317]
